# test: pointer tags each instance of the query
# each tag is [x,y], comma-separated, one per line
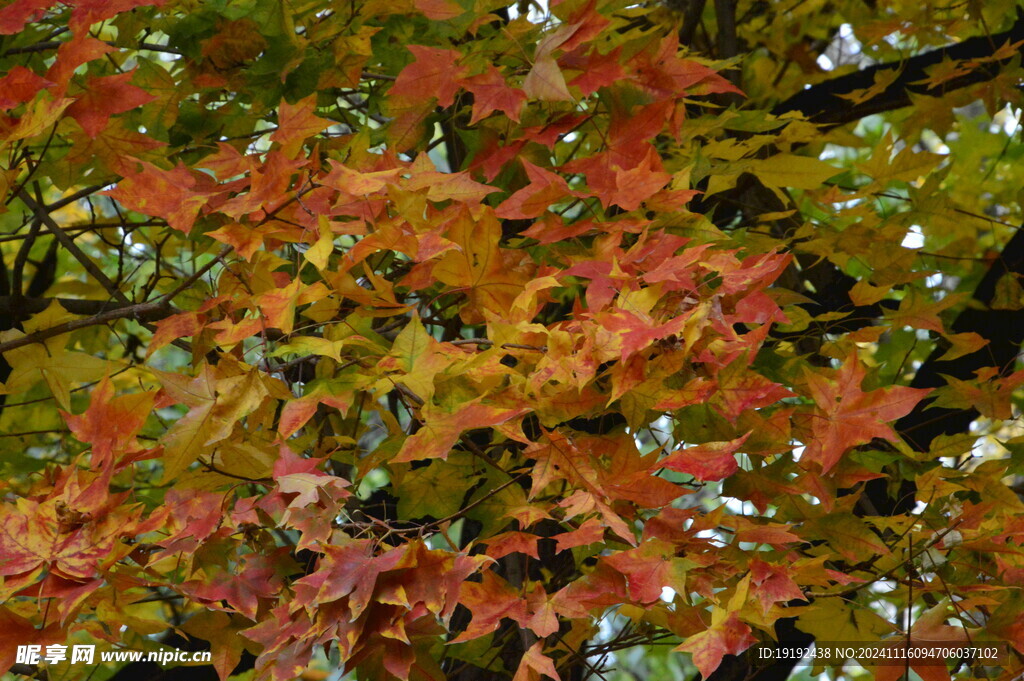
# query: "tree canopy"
[454,339]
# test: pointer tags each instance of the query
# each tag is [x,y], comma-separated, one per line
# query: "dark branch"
[23,305]
[136,311]
[822,104]
[1003,331]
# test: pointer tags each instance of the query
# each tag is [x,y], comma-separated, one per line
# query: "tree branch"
[1004,333]
[135,311]
[691,19]
[823,105]
[67,242]
[77,306]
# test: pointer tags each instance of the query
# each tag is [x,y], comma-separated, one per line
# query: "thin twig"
[68,243]
[885,575]
[195,276]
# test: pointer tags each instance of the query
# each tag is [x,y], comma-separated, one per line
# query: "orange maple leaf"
[110,424]
[434,74]
[441,429]
[728,637]
[169,194]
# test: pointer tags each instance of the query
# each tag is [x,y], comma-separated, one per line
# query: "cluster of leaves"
[433,339]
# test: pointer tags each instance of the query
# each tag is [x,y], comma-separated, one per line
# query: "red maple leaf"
[20,85]
[82,48]
[435,73]
[847,416]
[709,461]
[545,188]
[535,664]
[590,531]
[105,97]
[14,16]
[89,12]
[441,429]
[500,545]
[649,568]
[490,601]
[772,584]
[491,93]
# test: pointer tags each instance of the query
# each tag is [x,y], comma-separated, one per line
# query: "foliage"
[430,339]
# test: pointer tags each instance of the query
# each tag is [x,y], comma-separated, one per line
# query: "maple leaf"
[740,389]
[726,636]
[488,263]
[649,568]
[929,628]
[215,405]
[440,186]
[49,534]
[439,10]
[19,631]
[635,185]
[441,429]
[235,43]
[591,531]
[490,600]
[492,93]
[626,176]
[434,74]
[512,542]
[535,664]
[224,634]
[479,264]
[596,70]
[846,416]
[663,73]
[241,588]
[790,170]
[104,97]
[170,194]
[296,413]
[358,183]
[773,584]
[172,328]
[851,537]
[20,85]
[307,487]
[560,458]
[545,189]
[40,115]
[14,16]
[110,424]
[88,12]
[51,361]
[295,123]
[748,530]
[546,82]
[81,49]
[710,461]
[426,491]
[634,333]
